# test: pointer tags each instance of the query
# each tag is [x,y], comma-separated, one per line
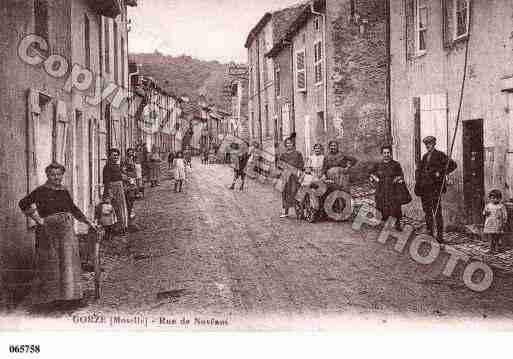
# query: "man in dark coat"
[240,161]
[430,184]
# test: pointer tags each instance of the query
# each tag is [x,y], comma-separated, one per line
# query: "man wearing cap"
[430,184]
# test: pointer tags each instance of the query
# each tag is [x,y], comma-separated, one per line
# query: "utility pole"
[388,79]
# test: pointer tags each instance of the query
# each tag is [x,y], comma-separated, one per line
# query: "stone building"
[238,91]
[332,69]
[428,44]
[155,113]
[56,56]
[263,119]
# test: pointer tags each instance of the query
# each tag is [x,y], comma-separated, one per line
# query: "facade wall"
[284,101]
[357,72]
[439,72]
[309,104]
[262,115]
[18,78]
[44,119]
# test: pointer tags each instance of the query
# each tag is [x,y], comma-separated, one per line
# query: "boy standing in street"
[239,169]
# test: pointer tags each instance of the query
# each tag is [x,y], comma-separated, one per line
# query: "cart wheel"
[309,212]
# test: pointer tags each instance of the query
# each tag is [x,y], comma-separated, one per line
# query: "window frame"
[418,30]
[277,80]
[106,32]
[87,41]
[298,71]
[316,24]
[455,19]
[318,58]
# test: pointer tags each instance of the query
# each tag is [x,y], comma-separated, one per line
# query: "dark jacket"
[430,174]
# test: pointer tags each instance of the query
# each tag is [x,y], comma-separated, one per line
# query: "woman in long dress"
[180,175]
[295,160]
[113,178]
[386,175]
[58,269]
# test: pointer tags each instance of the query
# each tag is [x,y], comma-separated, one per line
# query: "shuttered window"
[41,18]
[87,42]
[421,25]
[461,17]
[107,46]
[318,61]
[116,57]
[300,71]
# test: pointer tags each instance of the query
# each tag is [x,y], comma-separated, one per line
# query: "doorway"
[473,170]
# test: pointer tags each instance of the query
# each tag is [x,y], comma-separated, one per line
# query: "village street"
[213,251]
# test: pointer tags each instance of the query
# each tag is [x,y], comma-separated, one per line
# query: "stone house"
[429,40]
[332,67]
[56,56]
[263,119]
[238,90]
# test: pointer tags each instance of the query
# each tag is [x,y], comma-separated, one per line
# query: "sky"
[203,29]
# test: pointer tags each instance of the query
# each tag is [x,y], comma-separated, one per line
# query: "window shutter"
[416,130]
[448,22]
[410,28]
[34,111]
[301,72]
[61,132]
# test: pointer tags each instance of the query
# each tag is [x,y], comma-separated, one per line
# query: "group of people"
[50,206]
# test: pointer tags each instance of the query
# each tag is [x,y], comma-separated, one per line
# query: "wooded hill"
[184,75]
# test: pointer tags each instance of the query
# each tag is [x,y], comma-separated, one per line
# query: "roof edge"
[257,28]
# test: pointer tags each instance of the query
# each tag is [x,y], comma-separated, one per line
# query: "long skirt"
[289,192]
[58,267]
[154,171]
[119,202]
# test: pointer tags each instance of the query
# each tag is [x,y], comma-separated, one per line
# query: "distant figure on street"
[155,168]
[139,172]
[293,158]
[187,156]
[496,218]
[179,166]
[386,176]
[170,159]
[430,185]
[239,170]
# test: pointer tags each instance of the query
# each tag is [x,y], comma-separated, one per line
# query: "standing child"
[496,217]
[106,216]
[179,165]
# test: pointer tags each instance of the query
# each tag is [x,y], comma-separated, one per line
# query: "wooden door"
[473,170]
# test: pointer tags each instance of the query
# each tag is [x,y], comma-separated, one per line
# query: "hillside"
[186,75]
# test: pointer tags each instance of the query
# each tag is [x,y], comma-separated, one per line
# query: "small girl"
[179,165]
[106,216]
[496,216]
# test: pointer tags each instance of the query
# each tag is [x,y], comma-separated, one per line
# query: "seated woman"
[334,158]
